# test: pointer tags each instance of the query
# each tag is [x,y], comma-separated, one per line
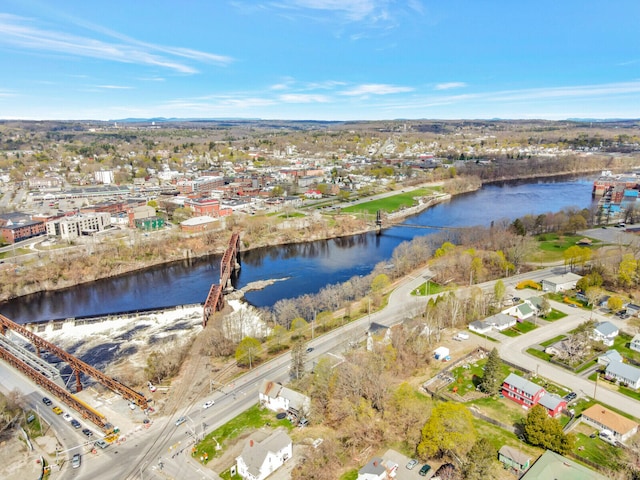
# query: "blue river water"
[307,267]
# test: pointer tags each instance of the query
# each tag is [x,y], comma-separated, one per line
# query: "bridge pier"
[78,382]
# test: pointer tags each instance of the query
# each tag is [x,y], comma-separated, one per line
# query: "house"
[632,309]
[500,321]
[605,332]
[378,469]
[258,460]
[551,465]
[480,326]
[604,419]
[513,459]
[623,373]
[635,343]
[553,403]
[199,224]
[313,194]
[611,356]
[278,398]
[522,311]
[522,391]
[560,283]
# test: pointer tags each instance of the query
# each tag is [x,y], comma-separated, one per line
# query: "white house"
[522,311]
[605,332]
[378,469]
[604,419]
[480,326]
[623,373]
[279,398]
[635,343]
[500,321]
[560,283]
[610,356]
[258,460]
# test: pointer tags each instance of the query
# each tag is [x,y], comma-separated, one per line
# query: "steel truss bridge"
[44,374]
[230,262]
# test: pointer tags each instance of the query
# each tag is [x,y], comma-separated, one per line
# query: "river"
[304,268]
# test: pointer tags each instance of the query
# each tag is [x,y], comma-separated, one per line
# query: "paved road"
[164,443]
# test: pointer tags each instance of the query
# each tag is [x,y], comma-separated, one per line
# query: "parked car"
[67,417]
[87,432]
[412,463]
[46,401]
[424,470]
[207,404]
[75,423]
[76,460]
[101,443]
[569,397]
[180,421]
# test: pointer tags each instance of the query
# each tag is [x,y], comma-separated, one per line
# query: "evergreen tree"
[546,432]
[492,378]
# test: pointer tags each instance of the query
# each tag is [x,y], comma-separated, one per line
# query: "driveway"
[402,473]
[514,350]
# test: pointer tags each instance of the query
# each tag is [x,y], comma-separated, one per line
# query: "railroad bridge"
[229,263]
[45,375]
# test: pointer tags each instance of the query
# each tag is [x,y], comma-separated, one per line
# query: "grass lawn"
[597,451]
[422,289]
[621,344]
[251,419]
[350,475]
[554,315]
[539,354]
[553,340]
[486,337]
[629,392]
[292,215]
[587,365]
[500,409]
[525,327]
[511,332]
[389,204]
[15,252]
[551,247]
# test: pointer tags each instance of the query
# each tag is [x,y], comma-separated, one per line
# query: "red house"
[529,394]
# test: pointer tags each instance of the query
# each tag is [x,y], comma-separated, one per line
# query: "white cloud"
[450,85]
[19,32]
[353,9]
[376,89]
[303,98]
[114,87]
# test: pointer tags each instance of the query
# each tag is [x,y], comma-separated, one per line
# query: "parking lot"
[402,473]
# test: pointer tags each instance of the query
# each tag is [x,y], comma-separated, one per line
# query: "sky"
[319,59]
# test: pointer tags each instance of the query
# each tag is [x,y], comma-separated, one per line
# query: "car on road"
[76,460]
[87,433]
[75,423]
[207,404]
[310,349]
[57,410]
[180,421]
[67,417]
[424,470]
[46,401]
[412,463]
[101,443]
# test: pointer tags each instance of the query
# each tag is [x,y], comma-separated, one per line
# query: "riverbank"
[256,233]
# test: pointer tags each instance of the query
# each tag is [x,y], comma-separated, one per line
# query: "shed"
[441,353]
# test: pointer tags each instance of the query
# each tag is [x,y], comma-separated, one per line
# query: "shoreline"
[394,217]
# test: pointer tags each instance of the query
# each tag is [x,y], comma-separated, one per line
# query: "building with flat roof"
[75,226]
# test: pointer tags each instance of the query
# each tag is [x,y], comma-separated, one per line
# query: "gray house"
[605,332]
[635,343]
[513,459]
[623,373]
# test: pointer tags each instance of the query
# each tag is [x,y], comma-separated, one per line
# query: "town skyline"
[319,59]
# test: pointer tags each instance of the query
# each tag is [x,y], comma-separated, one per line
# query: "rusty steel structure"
[77,365]
[230,262]
[54,388]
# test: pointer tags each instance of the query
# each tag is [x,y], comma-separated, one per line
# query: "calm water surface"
[307,267]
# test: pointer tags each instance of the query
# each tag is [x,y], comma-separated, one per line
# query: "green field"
[422,290]
[551,246]
[389,204]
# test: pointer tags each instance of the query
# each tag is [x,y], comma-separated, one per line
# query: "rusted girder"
[54,388]
[75,363]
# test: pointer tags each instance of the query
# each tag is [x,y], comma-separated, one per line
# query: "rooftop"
[553,466]
[612,420]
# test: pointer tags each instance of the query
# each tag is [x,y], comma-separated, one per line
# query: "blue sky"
[319,59]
